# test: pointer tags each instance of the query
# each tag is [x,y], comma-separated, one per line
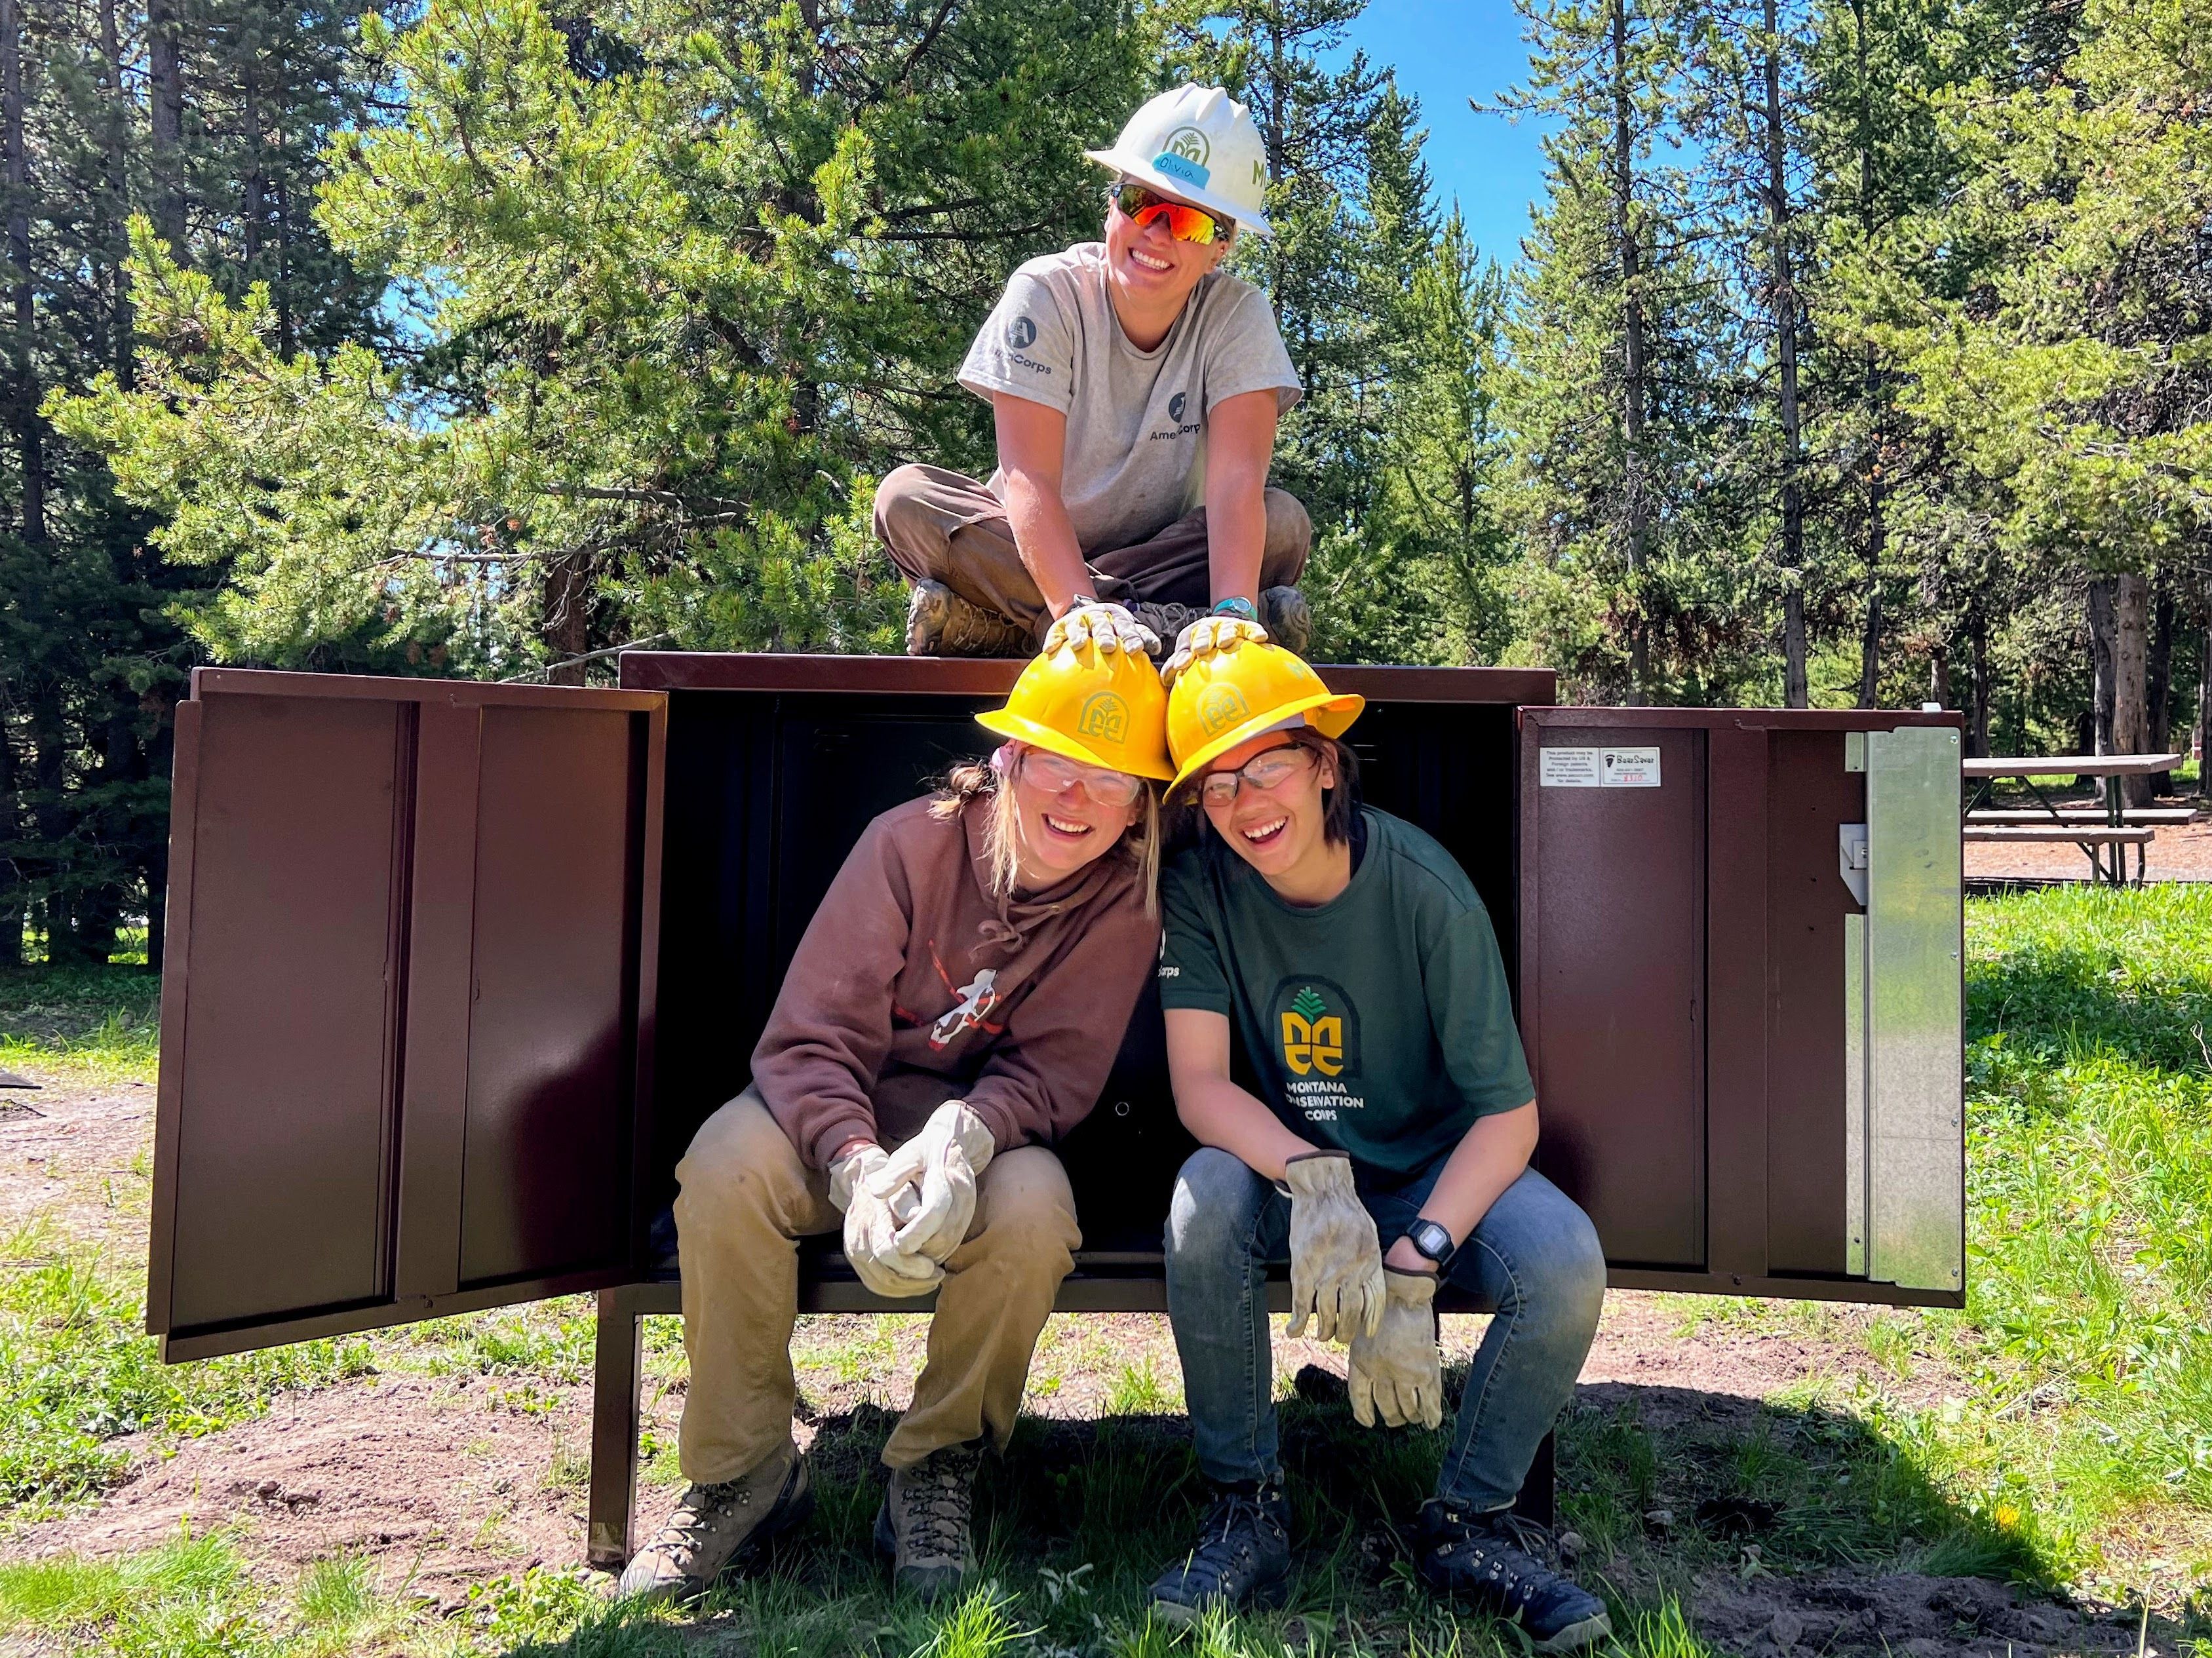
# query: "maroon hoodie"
[914,986]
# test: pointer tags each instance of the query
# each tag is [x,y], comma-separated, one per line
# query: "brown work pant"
[944,526]
[746,1198]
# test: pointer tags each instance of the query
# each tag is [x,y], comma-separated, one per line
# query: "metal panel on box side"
[1614,895]
[289,969]
[545,1175]
[403,995]
[1915,1142]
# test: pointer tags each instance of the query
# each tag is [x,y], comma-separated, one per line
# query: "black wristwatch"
[1431,1242]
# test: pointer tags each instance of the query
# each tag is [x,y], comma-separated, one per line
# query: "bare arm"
[1214,1108]
[1240,441]
[1489,1157]
[1032,444]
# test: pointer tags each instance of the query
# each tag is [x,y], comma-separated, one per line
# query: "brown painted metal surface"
[400,1018]
[1612,955]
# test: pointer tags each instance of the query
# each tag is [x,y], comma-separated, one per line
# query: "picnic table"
[2121,827]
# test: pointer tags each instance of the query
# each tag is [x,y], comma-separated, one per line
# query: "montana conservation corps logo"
[1221,706]
[1185,154]
[1021,333]
[1104,716]
[1319,1028]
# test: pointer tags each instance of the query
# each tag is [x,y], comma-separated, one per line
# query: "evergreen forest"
[1859,353]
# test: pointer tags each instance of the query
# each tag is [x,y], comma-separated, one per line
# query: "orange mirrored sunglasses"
[1186,224]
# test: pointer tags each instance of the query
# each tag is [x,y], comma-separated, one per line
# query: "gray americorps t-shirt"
[1135,460]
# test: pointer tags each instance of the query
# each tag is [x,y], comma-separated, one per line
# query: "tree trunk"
[1939,674]
[116,111]
[1978,696]
[1783,300]
[567,625]
[2158,692]
[165,76]
[30,438]
[1877,524]
[2100,658]
[1632,354]
[2130,642]
[1870,641]
[13,891]
[2205,715]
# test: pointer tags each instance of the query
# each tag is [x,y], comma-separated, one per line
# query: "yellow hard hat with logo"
[1102,707]
[1230,696]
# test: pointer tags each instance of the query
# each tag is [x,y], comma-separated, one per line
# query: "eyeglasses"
[1266,772]
[1056,774]
[1186,224]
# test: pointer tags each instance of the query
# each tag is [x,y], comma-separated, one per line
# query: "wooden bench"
[2128,815]
[1104,1281]
[2079,834]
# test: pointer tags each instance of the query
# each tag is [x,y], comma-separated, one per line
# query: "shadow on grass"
[1077,1521]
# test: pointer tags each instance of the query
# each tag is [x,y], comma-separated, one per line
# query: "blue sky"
[1445,51]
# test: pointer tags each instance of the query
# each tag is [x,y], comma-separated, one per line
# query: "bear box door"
[1741,994]
[407,1007]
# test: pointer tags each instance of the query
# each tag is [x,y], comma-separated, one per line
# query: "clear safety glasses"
[1056,774]
[1265,772]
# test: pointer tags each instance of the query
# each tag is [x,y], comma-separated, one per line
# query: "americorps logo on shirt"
[1316,1030]
[1021,333]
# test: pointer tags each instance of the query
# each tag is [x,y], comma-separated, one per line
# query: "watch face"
[1432,1240]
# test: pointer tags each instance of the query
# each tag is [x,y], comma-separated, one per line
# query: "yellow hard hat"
[1232,695]
[1102,707]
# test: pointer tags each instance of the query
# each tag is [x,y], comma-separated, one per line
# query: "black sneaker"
[1242,1558]
[1489,1560]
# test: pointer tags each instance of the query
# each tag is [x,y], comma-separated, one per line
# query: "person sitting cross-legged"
[1338,961]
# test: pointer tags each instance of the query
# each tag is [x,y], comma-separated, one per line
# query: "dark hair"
[1340,806]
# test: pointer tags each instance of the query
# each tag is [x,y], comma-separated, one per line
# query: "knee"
[1028,1211]
[1290,528]
[1568,1275]
[740,1164]
[1211,1214]
[896,498]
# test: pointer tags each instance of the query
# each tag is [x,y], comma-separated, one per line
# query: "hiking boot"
[1288,619]
[1166,619]
[939,622]
[714,1524]
[1490,1561]
[926,1523]
[1242,1558]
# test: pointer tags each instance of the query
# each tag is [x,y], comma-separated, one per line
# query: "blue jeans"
[1535,1256]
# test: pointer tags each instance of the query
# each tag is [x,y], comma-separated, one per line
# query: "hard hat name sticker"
[1599,768]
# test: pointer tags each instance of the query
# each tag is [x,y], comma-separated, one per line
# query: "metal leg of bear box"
[617,1374]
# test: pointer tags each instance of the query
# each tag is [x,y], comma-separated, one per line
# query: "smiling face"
[1152,272]
[1060,830]
[1278,831]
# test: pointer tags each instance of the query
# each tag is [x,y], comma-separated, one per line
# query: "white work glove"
[1336,1260]
[871,1223]
[1206,636]
[1108,626]
[939,1164]
[1396,1371]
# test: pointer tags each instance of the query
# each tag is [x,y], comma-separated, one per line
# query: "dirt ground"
[449,1481]
[2180,851]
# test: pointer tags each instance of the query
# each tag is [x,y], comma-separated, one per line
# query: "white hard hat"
[1197,143]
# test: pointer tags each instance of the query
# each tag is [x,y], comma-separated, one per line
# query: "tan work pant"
[746,1198]
[939,525]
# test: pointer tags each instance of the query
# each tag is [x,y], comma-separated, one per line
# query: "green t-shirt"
[1378,1023]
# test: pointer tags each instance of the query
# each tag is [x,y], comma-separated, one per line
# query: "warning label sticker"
[1599,768]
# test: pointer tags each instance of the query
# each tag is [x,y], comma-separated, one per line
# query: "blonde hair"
[1140,843]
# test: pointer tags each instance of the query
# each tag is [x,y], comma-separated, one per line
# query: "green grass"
[78,1372]
[101,1023]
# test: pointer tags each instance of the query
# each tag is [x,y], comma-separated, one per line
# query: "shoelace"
[695,1516]
[1513,1546]
[1217,1545]
[941,1511]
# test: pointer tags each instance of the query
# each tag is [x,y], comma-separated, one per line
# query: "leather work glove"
[1108,626]
[871,1223]
[1206,636]
[1336,1260]
[1396,1372]
[940,1164]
